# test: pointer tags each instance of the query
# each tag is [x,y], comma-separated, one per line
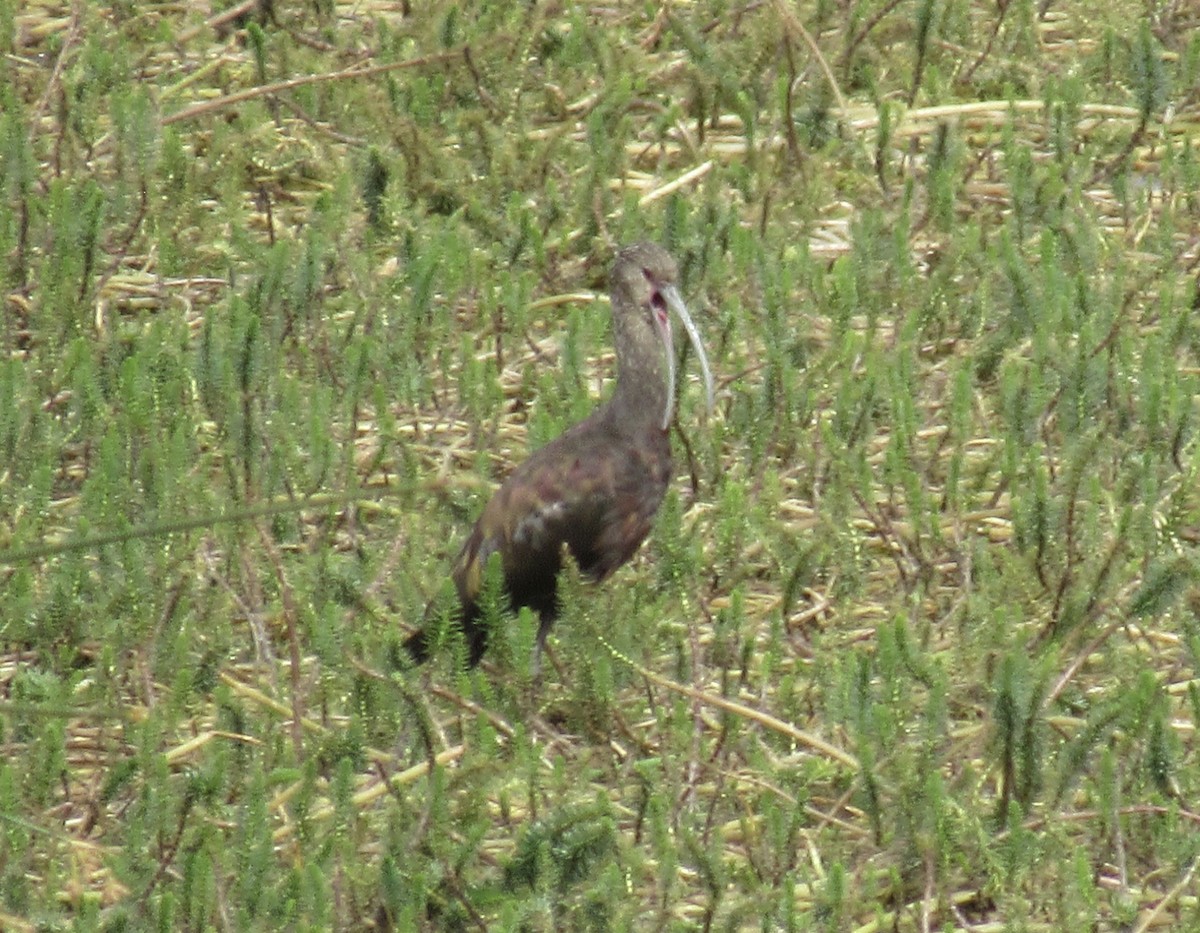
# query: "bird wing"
[598,498]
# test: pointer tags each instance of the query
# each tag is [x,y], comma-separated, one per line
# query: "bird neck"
[640,396]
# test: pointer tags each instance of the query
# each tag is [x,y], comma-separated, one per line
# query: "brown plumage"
[597,486]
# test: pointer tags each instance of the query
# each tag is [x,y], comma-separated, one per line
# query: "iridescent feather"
[597,487]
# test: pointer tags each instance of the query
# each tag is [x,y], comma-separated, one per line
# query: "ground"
[289,288]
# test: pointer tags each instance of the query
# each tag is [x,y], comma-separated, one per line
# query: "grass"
[287,290]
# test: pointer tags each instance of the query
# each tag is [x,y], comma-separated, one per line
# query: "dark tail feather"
[417,644]
[476,643]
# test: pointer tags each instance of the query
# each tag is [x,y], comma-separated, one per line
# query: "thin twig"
[204,108]
[746,712]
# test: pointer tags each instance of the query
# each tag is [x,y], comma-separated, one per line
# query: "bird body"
[596,487]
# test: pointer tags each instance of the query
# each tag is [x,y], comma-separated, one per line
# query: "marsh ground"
[288,288]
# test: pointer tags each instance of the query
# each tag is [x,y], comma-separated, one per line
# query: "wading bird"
[597,486]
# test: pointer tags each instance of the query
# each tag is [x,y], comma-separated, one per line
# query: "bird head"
[645,283]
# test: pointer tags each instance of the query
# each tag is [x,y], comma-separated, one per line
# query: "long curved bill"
[675,303]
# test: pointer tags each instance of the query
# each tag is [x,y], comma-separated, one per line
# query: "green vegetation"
[914,644]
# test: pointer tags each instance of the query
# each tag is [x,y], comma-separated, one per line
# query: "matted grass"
[913,645]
